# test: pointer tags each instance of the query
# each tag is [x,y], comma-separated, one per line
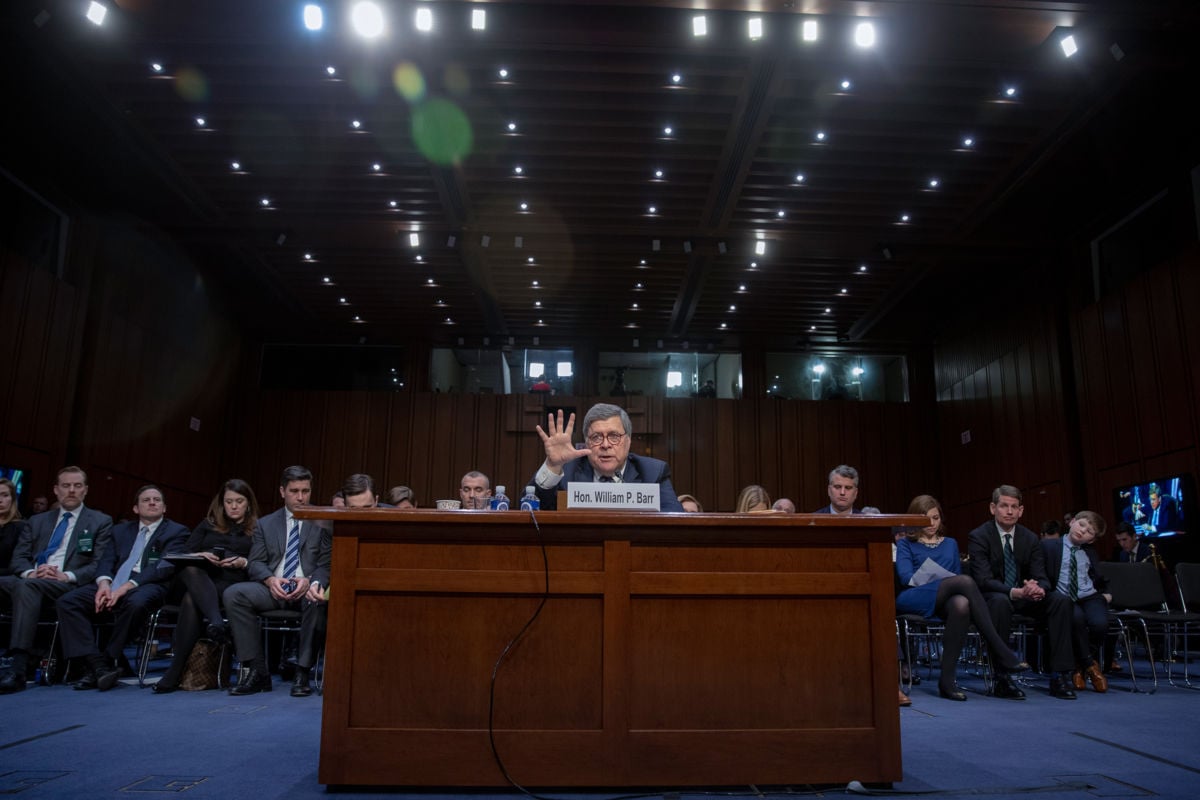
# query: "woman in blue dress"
[955,598]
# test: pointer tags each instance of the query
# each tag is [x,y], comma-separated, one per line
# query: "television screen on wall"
[1157,508]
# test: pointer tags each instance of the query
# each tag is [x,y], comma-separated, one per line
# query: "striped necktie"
[1010,562]
[1073,575]
[291,559]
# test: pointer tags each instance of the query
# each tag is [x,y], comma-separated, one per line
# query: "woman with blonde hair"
[11,525]
[954,598]
[753,498]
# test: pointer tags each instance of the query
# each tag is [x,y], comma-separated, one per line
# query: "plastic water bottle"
[530,501]
[499,500]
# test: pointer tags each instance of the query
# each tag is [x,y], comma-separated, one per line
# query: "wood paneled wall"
[109,371]
[1138,370]
[715,447]
[1002,417]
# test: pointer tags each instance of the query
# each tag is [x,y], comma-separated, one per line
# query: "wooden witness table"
[674,650]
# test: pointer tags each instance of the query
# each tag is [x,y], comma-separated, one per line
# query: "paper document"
[929,571]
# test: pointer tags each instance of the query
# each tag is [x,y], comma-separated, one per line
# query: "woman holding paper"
[927,562]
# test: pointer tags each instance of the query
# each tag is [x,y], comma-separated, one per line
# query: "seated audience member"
[475,490]
[1071,566]
[1051,529]
[132,584]
[843,491]
[607,436]
[1007,562]
[222,540]
[338,500]
[690,504]
[401,497]
[40,505]
[954,598]
[289,568]
[1131,547]
[57,553]
[871,510]
[785,505]
[12,527]
[753,498]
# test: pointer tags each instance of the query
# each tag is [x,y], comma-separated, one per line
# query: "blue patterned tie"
[291,559]
[1010,562]
[56,538]
[135,557]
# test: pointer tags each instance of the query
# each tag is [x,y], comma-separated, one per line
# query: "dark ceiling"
[590,89]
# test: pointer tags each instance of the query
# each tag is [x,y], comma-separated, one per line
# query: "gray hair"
[850,473]
[1004,490]
[602,411]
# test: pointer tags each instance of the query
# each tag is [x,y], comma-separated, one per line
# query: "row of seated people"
[235,564]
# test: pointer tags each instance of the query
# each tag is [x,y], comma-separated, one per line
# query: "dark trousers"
[28,596]
[1089,623]
[1053,612]
[77,613]
[245,601]
[200,603]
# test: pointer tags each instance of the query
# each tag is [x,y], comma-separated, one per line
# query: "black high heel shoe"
[952,694]
[1012,664]
[163,688]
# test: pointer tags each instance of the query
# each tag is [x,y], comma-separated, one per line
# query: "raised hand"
[559,447]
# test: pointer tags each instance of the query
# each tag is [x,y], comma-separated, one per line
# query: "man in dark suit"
[1007,562]
[607,433]
[57,553]
[1163,514]
[1132,549]
[132,583]
[1071,566]
[289,568]
[843,491]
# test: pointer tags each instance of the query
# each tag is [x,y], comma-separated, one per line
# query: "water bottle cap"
[528,490]
[499,489]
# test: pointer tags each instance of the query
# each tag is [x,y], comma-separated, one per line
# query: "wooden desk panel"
[674,649]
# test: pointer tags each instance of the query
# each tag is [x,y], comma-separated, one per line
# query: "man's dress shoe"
[255,682]
[954,693]
[300,686]
[1078,681]
[905,700]
[88,681]
[107,678]
[1007,689]
[11,682]
[1060,687]
[164,688]
[1099,682]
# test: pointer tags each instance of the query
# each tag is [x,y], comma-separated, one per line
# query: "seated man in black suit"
[132,583]
[289,568]
[843,491]
[1163,515]
[1083,584]
[1007,561]
[1132,548]
[57,553]
[607,433]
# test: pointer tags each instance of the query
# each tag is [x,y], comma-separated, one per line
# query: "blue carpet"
[56,742]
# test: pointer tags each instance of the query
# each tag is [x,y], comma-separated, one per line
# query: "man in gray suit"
[288,569]
[58,552]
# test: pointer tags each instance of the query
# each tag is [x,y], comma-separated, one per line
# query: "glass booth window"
[501,371]
[805,376]
[663,374]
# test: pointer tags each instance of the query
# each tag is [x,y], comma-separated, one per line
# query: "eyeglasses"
[597,439]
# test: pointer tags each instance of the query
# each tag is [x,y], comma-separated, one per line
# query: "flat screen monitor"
[1157,508]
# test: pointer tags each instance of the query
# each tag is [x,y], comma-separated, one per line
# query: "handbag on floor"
[206,664]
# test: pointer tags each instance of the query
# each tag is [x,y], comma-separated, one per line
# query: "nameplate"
[614,496]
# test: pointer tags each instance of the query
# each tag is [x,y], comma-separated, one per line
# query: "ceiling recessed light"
[530,260]
[519,170]
[638,287]
[429,282]
[905,218]
[634,306]
[200,122]
[502,72]
[367,19]
[753,265]
[733,308]
[668,131]
[862,267]
[658,173]
[741,287]
[478,19]
[343,301]
[524,206]
[864,34]
[676,78]
[265,202]
[812,327]
[844,290]
[424,20]
[96,13]
[376,167]
[512,127]
[327,280]
[846,85]
[799,177]
[235,165]
[535,284]
[780,213]
[934,183]
[391,203]
[754,28]
[308,256]
[760,248]
[1068,45]
[1010,92]
[699,26]
[537,303]
[314,17]
[968,142]
[414,240]
[809,31]
[331,70]
[820,136]
[157,67]
[419,257]
[828,310]
[356,124]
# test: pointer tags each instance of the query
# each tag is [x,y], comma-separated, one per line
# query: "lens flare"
[409,82]
[442,132]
